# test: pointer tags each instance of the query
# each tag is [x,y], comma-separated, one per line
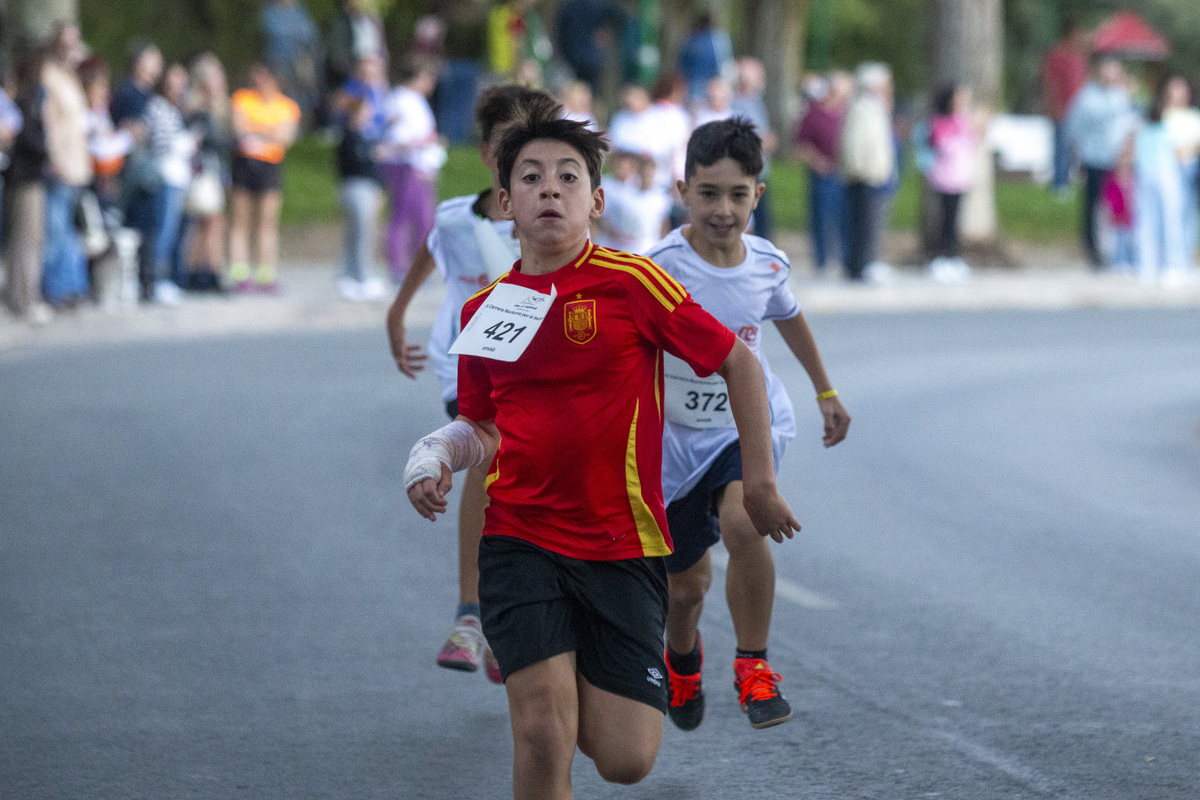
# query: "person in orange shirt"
[265,123]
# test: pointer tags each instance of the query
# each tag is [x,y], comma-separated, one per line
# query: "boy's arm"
[460,445]
[409,357]
[752,414]
[799,338]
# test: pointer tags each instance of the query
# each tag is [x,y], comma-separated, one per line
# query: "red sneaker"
[686,693]
[758,692]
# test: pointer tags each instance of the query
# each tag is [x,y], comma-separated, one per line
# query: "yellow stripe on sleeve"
[641,276]
[673,287]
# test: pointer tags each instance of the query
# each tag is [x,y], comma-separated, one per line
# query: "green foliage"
[893,31]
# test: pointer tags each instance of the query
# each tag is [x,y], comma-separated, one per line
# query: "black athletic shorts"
[537,604]
[255,176]
[452,408]
[692,519]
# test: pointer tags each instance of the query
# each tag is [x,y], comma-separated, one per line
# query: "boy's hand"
[429,498]
[768,511]
[837,421]
[409,357]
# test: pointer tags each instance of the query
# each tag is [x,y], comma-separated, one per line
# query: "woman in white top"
[411,156]
[172,147]
[1181,122]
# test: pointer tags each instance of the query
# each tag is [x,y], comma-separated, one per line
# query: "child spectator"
[1159,200]
[1118,201]
[577,104]
[172,147]
[108,144]
[360,195]
[208,117]
[953,139]
[265,122]
[635,207]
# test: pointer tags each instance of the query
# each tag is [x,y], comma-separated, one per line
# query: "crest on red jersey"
[579,319]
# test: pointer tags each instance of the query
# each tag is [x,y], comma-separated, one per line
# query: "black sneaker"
[686,694]
[758,692]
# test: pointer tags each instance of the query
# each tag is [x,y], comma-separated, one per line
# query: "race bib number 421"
[505,324]
[695,402]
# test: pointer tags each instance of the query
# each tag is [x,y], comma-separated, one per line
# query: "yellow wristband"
[827,395]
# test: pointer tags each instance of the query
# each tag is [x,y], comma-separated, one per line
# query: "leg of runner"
[622,736]
[687,590]
[543,704]
[750,592]
[466,646]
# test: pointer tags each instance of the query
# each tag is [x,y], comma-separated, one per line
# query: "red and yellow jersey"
[580,413]
[262,119]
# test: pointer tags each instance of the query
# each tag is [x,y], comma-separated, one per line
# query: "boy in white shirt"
[471,245]
[742,281]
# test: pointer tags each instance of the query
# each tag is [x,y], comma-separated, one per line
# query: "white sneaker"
[464,649]
[39,314]
[879,273]
[350,289]
[167,293]
[373,289]
[962,271]
[941,270]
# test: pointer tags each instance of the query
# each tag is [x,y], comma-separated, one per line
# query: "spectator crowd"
[170,153]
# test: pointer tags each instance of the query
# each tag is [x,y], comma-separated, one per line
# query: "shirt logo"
[748,334]
[775,267]
[579,319]
[654,677]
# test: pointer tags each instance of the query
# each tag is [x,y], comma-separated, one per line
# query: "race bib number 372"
[695,402]
[505,324]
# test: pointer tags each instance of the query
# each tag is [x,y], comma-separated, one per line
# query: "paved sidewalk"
[309,301]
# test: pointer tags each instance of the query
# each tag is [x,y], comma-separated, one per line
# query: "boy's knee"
[626,767]
[545,734]
[687,589]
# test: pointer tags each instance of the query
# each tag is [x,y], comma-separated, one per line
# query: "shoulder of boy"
[767,253]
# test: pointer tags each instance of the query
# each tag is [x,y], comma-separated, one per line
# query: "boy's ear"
[504,200]
[597,203]
[759,188]
[681,188]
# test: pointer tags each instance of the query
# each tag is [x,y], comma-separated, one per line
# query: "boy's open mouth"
[550,214]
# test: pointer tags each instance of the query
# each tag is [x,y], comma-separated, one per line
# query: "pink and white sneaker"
[464,649]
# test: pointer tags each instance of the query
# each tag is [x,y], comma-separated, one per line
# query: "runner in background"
[470,245]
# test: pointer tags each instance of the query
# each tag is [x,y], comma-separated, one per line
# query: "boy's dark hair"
[727,138]
[943,99]
[547,123]
[503,104]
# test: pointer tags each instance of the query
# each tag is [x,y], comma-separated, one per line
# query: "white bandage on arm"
[456,445]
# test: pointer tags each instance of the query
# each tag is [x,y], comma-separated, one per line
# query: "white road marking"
[788,590]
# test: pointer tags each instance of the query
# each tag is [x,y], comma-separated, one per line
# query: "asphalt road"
[210,586]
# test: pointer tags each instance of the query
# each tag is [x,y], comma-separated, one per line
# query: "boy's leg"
[466,646]
[750,592]
[622,736]
[687,590]
[750,577]
[544,706]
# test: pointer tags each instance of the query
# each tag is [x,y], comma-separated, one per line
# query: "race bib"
[505,324]
[695,402]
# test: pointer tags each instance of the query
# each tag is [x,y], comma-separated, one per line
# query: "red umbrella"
[1127,35]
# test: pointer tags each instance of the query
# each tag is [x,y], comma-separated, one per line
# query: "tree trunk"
[968,49]
[774,30]
[31,21]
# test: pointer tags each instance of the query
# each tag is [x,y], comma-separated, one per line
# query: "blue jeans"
[64,274]
[1062,157]
[865,205]
[168,214]
[827,212]
[454,99]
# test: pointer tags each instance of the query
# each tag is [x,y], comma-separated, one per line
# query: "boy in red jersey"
[560,390]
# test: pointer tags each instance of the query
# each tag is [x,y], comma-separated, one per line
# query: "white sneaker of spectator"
[949,271]
[879,273]
[167,293]
[373,289]
[350,289]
